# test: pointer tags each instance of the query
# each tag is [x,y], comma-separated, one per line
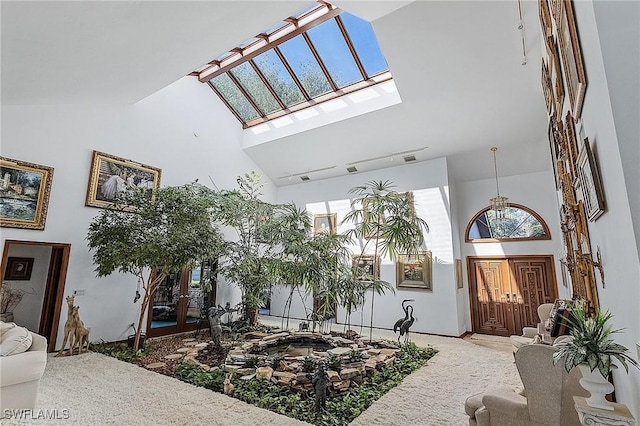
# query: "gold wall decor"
[325,223]
[367,266]
[590,182]
[414,271]
[572,63]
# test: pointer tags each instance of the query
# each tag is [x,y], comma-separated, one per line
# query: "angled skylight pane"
[335,54]
[297,53]
[254,85]
[234,97]
[279,78]
[364,40]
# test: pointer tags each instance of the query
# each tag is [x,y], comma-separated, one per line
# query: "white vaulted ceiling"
[457,66]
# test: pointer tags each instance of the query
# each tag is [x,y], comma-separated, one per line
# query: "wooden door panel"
[492,311]
[505,293]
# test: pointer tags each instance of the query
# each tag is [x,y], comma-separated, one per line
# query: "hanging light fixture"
[498,203]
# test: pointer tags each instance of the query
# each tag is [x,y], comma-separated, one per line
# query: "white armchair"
[529,334]
[20,372]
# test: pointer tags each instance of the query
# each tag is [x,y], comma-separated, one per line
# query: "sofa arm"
[38,343]
[529,332]
[507,402]
[20,368]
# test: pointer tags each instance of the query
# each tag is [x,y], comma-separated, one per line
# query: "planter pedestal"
[618,416]
[597,386]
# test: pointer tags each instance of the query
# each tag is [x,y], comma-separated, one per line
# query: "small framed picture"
[459,280]
[18,269]
[414,271]
[111,174]
[325,223]
[366,266]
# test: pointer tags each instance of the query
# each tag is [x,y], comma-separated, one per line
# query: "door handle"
[508,300]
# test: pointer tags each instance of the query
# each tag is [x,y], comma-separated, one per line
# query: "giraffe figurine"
[69,329]
[80,331]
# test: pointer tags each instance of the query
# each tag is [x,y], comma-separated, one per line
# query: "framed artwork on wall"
[590,182]
[547,88]
[554,150]
[18,269]
[555,74]
[545,23]
[325,223]
[572,58]
[110,175]
[366,266]
[571,144]
[414,271]
[24,194]
[459,280]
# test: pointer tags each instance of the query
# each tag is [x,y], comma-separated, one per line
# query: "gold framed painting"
[325,223]
[110,175]
[547,89]
[574,73]
[545,23]
[459,278]
[571,144]
[24,194]
[367,266]
[555,74]
[414,270]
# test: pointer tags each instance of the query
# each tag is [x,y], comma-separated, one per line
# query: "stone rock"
[191,361]
[284,375]
[173,356]
[206,367]
[389,361]
[247,377]
[339,351]
[284,366]
[254,335]
[371,364]
[333,376]
[192,343]
[246,371]
[347,373]
[188,340]
[303,378]
[202,345]
[389,352]
[184,350]
[264,373]
[156,365]
[342,385]
[388,345]
[273,337]
[373,351]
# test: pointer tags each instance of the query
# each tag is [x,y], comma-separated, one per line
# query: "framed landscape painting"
[590,182]
[367,266]
[111,174]
[414,271]
[24,194]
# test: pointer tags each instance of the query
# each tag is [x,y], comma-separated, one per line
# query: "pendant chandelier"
[498,203]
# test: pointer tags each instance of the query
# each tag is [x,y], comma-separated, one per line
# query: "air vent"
[305,178]
[409,158]
[352,169]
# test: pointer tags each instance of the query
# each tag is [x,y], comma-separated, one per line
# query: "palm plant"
[592,343]
[386,221]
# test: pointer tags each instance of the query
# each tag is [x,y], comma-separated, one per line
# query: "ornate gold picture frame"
[572,58]
[325,223]
[24,194]
[110,175]
[367,266]
[590,182]
[414,271]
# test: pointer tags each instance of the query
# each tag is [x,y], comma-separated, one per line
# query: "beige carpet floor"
[98,390]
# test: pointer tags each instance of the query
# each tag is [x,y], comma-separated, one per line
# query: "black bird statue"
[398,323]
[406,325]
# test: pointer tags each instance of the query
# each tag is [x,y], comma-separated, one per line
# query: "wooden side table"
[619,416]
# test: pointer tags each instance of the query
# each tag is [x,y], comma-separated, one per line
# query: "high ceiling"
[457,65]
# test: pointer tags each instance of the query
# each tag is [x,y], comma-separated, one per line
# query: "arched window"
[520,223]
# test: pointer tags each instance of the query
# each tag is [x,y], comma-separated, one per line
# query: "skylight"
[315,55]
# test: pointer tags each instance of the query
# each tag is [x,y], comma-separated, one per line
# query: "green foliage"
[120,351]
[355,356]
[341,408]
[160,234]
[251,362]
[212,379]
[309,364]
[592,343]
[274,361]
[334,363]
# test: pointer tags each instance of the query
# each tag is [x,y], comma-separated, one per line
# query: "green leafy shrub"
[120,350]
[212,379]
[334,363]
[309,364]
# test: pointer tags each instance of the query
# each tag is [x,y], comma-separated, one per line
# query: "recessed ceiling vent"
[352,169]
[305,178]
[409,158]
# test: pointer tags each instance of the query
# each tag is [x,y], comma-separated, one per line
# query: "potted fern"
[592,350]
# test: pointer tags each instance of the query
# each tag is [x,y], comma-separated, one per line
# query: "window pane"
[278,77]
[305,66]
[255,87]
[234,97]
[364,40]
[517,224]
[335,54]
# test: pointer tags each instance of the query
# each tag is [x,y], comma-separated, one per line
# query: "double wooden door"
[506,292]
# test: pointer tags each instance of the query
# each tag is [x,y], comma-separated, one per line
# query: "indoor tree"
[386,223]
[151,236]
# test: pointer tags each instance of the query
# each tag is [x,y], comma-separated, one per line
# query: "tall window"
[317,54]
[520,223]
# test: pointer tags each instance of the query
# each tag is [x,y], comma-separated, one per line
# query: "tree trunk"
[143,309]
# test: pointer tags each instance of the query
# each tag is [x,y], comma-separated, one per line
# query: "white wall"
[182,129]
[28,312]
[436,309]
[613,232]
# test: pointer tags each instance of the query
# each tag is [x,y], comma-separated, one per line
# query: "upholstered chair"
[529,334]
[547,398]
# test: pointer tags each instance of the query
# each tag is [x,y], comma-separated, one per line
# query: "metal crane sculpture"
[406,325]
[397,326]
